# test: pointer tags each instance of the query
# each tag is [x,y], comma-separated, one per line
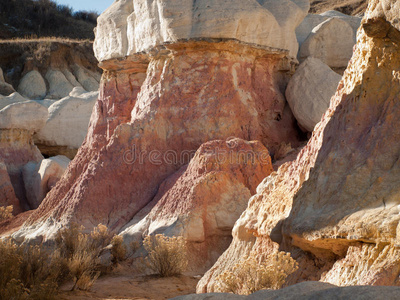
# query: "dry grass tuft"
[166,255]
[118,249]
[6,212]
[250,275]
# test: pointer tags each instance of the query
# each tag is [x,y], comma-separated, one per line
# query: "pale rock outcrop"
[32,85]
[308,291]
[336,207]
[127,27]
[331,41]
[1,75]
[310,90]
[28,115]
[11,99]
[59,85]
[68,121]
[77,91]
[203,200]
[40,178]
[313,20]
[86,78]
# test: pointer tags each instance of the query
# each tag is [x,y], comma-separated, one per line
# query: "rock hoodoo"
[336,207]
[195,80]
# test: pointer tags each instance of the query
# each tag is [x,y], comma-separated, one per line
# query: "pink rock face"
[17,149]
[336,207]
[203,200]
[193,92]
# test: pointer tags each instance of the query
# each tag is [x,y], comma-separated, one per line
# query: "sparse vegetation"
[118,249]
[45,18]
[6,212]
[166,255]
[33,272]
[250,275]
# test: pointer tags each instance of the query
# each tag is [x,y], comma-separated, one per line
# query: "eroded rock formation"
[336,207]
[171,98]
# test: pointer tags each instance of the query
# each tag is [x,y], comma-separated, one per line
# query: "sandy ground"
[122,285]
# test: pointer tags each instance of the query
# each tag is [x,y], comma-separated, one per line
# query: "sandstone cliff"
[336,207]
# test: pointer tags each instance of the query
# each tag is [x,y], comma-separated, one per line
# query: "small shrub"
[118,249]
[166,255]
[249,275]
[6,212]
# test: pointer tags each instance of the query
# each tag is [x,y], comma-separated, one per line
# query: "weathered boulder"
[59,85]
[87,79]
[28,115]
[308,291]
[32,85]
[128,27]
[5,88]
[67,124]
[336,207]
[10,99]
[331,41]
[310,90]
[203,200]
[40,178]
[313,20]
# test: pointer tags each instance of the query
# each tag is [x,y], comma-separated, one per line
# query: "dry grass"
[166,255]
[6,212]
[35,39]
[250,275]
[118,249]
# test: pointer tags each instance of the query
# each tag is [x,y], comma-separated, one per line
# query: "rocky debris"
[313,20]
[127,27]
[331,41]
[336,207]
[32,85]
[203,200]
[307,291]
[348,7]
[40,178]
[310,90]
[67,124]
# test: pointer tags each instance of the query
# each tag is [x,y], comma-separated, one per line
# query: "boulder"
[310,90]
[331,41]
[68,121]
[336,207]
[313,20]
[6,89]
[27,115]
[40,178]
[59,85]
[1,75]
[11,99]
[127,27]
[203,200]
[32,85]
[86,78]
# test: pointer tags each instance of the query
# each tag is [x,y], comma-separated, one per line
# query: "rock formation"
[67,124]
[203,200]
[18,122]
[310,90]
[172,98]
[40,178]
[336,207]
